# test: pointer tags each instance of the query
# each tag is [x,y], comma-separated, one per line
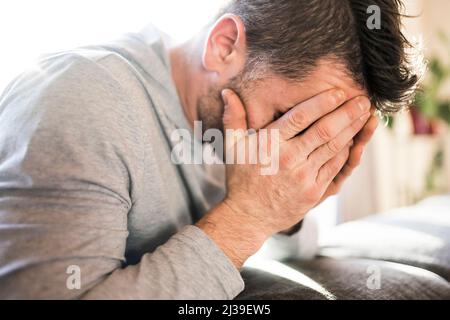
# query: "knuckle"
[297,119]
[333,98]
[334,147]
[323,132]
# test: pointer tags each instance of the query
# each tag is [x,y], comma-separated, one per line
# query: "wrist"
[234,233]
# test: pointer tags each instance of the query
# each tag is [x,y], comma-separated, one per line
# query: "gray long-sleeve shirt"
[87,182]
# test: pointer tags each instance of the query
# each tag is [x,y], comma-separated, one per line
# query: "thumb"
[235,116]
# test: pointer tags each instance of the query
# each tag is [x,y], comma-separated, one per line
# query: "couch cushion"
[326,278]
[418,236]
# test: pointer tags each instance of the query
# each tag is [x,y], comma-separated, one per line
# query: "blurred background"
[408,160]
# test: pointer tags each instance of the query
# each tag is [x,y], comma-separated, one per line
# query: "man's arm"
[66,162]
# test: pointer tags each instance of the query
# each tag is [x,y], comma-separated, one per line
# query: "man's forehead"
[326,76]
[330,75]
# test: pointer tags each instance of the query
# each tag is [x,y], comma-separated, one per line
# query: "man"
[91,204]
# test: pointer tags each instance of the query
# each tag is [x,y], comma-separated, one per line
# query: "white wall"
[32,27]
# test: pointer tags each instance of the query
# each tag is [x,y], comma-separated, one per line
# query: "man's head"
[275,54]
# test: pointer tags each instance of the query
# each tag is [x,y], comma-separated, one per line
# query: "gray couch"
[403,254]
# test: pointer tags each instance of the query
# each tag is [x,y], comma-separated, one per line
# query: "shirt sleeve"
[65,177]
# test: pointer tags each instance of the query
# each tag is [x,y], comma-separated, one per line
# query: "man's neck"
[184,66]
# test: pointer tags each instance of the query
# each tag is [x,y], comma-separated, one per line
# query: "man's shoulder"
[80,69]
[70,95]
[74,83]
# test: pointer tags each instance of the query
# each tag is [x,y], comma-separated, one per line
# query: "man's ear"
[225,49]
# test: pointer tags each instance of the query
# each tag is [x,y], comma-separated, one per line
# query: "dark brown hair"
[289,37]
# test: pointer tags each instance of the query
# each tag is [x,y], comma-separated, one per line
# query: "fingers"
[361,140]
[356,153]
[331,169]
[368,131]
[234,122]
[324,153]
[346,171]
[306,113]
[235,116]
[331,125]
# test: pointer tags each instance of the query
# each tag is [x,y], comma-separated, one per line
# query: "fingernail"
[364,104]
